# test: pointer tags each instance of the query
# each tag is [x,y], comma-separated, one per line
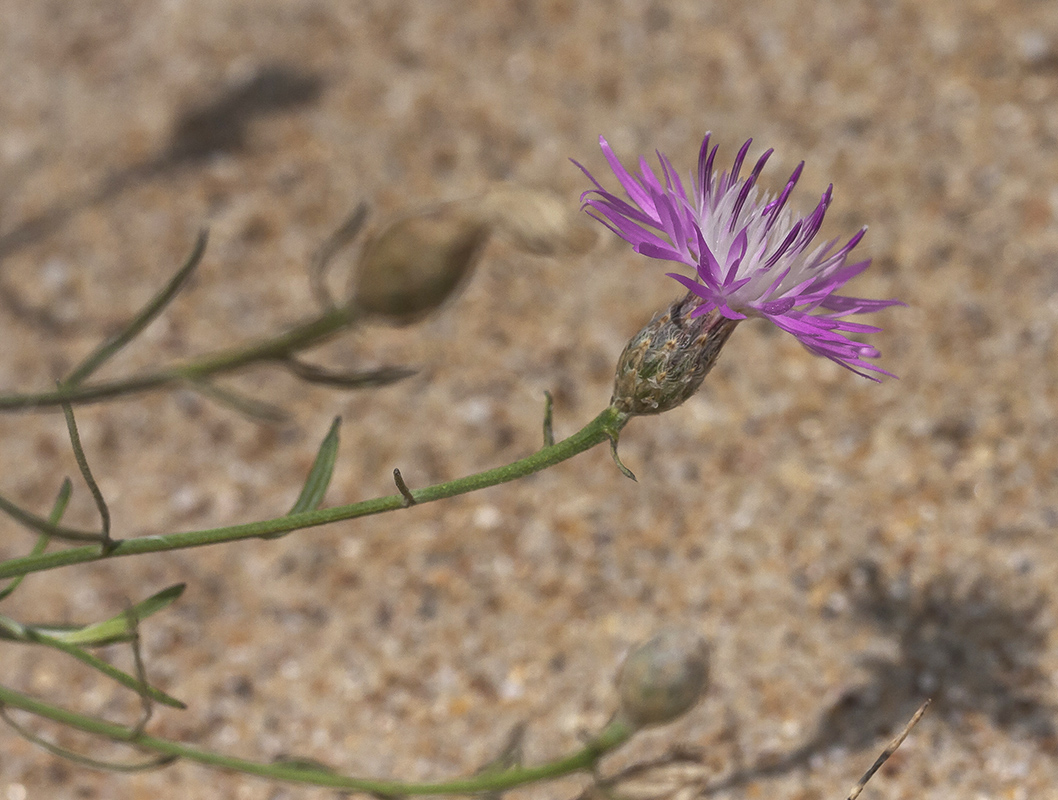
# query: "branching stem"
[604,427]
[611,737]
[279,347]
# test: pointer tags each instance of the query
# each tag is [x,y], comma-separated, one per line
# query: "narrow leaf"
[330,248]
[147,315]
[86,472]
[111,672]
[77,758]
[117,628]
[11,630]
[42,526]
[320,475]
[247,406]
[347,380]
[57,510]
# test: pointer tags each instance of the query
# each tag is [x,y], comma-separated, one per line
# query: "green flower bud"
[662,679]
[412,266]
[665,363]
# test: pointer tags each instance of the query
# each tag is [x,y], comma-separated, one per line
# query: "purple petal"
[792,283]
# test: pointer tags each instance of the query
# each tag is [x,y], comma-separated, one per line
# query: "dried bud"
[666,362]
[415,264]
[663,679]
[536,221]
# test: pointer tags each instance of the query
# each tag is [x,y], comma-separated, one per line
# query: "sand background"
[848,548]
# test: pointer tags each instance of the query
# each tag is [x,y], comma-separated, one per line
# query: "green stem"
[604,427]
[614,735]
[299,338]
[305,335]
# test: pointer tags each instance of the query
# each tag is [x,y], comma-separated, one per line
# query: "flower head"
[752,256]
[665,363]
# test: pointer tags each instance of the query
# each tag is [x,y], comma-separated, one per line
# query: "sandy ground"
[848,548]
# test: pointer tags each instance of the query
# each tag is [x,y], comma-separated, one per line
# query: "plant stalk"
[605,427]
[611,737]
[308,334]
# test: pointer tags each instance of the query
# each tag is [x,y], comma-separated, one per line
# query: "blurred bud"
[536,221]
[665,363]
[663,679]
[416,263]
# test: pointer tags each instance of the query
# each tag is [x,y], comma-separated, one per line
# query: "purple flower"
[752,255]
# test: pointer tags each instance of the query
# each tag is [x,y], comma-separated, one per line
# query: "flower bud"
[536,221]
[412,266]
[666,362]
[662,679]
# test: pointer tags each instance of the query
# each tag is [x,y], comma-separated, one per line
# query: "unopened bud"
[665,363]
[536,221]
[416,263]
[663,679]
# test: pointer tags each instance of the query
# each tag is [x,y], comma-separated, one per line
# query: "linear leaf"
[115,629]
[57,510]
[110,671]
[86,473]
[147,315]
[347,380]
[43,526]
[320,475]
[247,406]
